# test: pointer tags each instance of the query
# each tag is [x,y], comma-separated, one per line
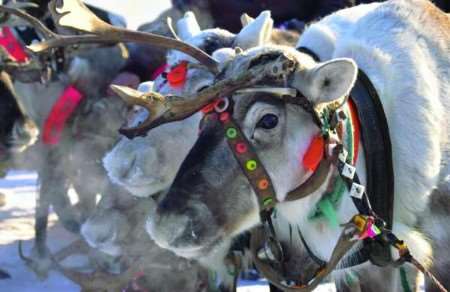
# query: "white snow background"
[17,216]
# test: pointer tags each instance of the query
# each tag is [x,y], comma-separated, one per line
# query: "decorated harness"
[326,152]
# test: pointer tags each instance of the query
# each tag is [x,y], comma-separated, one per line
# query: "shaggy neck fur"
[396,64]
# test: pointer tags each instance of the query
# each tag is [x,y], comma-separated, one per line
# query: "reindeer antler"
[29,18]
[73,14]
[166,109]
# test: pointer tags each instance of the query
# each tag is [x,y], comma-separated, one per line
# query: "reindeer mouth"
[143,189]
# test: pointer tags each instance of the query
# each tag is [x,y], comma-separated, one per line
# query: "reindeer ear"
[246,19]
[330,81]
[256,33]
[188,26]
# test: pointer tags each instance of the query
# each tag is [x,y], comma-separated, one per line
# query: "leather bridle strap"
[248,161]
[345,242]
[312,184]
[308,52]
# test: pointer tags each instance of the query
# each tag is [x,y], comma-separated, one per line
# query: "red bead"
[224,117]
[241,148]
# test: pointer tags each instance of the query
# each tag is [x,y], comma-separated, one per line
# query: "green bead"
[231,133]
[251,165]
[267,201]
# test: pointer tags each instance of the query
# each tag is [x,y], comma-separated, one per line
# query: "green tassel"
[404,280]
[328,211]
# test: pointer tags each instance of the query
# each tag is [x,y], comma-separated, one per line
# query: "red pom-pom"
[177,76]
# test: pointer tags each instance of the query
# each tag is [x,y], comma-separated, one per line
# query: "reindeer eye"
[268,121]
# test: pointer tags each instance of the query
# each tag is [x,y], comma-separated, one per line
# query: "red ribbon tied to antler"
[177,76]
[61,111]
[12,45]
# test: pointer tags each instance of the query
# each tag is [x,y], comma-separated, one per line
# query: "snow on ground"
[17,223]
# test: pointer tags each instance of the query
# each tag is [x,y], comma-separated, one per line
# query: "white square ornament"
[357,190]
[348,171]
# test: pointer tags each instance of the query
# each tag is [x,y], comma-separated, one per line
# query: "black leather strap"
[377,148]
[310,53]
[378,155]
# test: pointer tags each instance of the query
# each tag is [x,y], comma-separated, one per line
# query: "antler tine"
[29,18]
[69,14]
[172,30]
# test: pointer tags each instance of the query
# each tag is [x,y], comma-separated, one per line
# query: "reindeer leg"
[62,207]
[53,191]
[54,187]
[87,201]
[39,261]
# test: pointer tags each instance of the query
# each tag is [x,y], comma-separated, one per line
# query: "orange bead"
[263,184]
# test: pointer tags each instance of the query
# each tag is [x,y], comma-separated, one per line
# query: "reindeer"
[143,155]
[76,159]
[275,95]
[210,180]
[17,130]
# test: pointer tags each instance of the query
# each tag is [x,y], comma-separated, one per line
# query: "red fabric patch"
[12,45]
[60,113]
[314,154]
[177,76]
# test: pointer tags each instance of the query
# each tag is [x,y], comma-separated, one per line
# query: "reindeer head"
[147,165]
[211,200]
[206,206]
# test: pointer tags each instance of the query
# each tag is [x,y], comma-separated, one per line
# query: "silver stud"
[357,190]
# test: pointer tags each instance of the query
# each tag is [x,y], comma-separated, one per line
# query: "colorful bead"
[263,184]
[251,165]
[373,231]
[225,117]
[241,148]
[231,133]
[267,201]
